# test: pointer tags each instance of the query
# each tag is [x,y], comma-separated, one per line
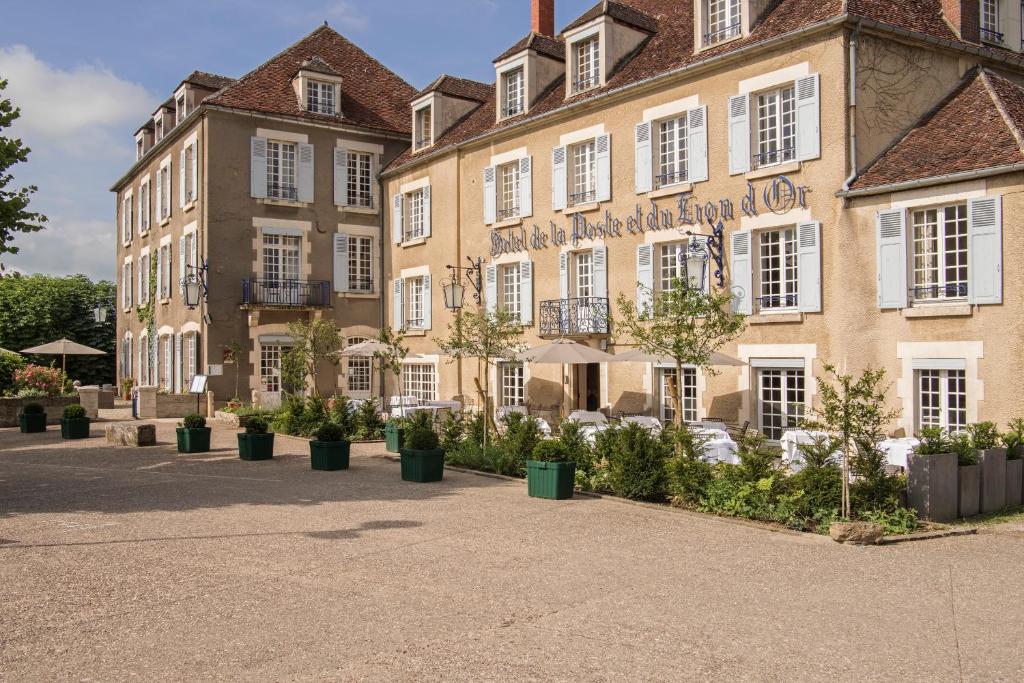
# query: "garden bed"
[54,406]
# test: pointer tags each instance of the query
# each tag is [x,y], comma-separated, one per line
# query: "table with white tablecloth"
[898,450]
[718,445]
[792,440]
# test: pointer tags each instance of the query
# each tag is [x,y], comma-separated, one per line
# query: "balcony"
[574,317]
[296,294]
[507,213]
[773,158]
[939,292]
[585,197]
[990,35]
[671,178]
[713,37]
[282,191]
[777,302]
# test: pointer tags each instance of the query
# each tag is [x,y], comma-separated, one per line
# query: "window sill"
[960,310]
[145,233]
[668,190]
[165,301]
[358,295]
[582,208]
[775,318]
[777,169]
[416,333]
[414,243]
[165,221]
[718,43]
[126,244]
[507,223]
[191,205]
[267,201]
[365,210]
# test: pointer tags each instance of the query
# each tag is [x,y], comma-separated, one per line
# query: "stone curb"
[928,536]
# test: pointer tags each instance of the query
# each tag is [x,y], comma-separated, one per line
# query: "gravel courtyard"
[140,563]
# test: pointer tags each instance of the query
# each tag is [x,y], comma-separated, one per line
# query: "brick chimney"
[543,17]
[964,16]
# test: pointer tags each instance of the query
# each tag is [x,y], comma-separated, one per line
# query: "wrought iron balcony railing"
[361,199]
[512,110]
[574,317]
[282,191]
[671,178]
[932,292]
[777,301]
[422,142]
[990,36]
[582,84]
[726,33]
[507,213]
[585,197]
[262,292]
[779,156]
[360,284]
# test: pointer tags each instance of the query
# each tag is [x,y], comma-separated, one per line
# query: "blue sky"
[86,74]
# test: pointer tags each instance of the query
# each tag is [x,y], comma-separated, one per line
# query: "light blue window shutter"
[396,219]
[340,177]
[603,148]
[160,273]
[892,259]
[985,250]
[195,172]
[341,262]
[373,181]
[491,288]
[258,167]
[698,145]
[490,195]
[644,171]
[741,273]
[426,211]
[428,304]
[739,134]
[601,272]
[559,180]
[808,118]
[808,237]
[195,249]
[526,292]
[179,347]
[398,306]
[563,275]
[182,254]
[526,187]
[644,279]
[305,173]
[159,195]
[181,180]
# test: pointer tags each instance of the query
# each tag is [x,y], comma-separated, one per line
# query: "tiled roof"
[458,87]
[619,12]
[148,125]
[318,66]
[977,126]
[372,96]
[208,81]
[541,44]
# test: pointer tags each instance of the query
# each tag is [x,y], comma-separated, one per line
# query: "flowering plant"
[49,381]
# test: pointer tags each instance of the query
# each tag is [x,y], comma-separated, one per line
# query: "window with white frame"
[666,382]
[424,131]
[586,64]
[270,368]
[414,311]
[144,376]
[512,384]
[159,130]
[724,20]
[419,380]
[144,279]
[584,173]
[360,370]
[513,92]
[167,352]
[508,191]
[140,149]
[191,364]
[180,108]
[360,179]
[775,127]
[190,253]
[281,170]
[670,265]
[990,21]
[414,215]
[939,253]
[673,150]
[127,218]
[360,263]
[144,208]
[127,285]
[583,274]
[126,356]
[164,178]
[942,399]
[281,258]
[781,400]
[165,271]
[777,270]
[190,181]
[511,291]
[320,97]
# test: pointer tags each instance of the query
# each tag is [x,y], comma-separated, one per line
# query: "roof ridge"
[1000,107]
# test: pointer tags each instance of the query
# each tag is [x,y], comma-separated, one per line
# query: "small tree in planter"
[232,354]
[32,419]
[933,477]
[422,456]
[255,443]
[986,440]
[969,474]
[315,343]
[127,384]
[391,358]
[75,424]
[550,472]
[1014,442]
[368,423]
[329,450]
[193,435]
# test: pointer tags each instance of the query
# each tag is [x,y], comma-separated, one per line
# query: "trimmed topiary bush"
[74,412]
[420,435]
[330,432]
[33,409]
[256,425]
[550,451]
[193,422]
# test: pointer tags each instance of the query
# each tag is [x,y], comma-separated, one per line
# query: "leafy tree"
[14,214]
[315,343]
[233,355]
[487,336]
[392,355]
[685,324]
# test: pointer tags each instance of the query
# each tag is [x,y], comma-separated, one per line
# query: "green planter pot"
[394,437]
[74,428]
[329,456]
[255,446]
[551,480]
[195,440]
[422,466]
[32,423]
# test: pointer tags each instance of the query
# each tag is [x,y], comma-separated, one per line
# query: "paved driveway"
[128,563]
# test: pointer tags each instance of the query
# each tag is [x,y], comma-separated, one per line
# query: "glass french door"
[281,269]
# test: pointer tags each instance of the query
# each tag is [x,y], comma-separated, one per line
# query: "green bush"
[636,468]
[899,521]
[452,431]
[330,432]
[984,435]
[521,436]
[300,416]
[934,441]
[1013,439]
[33,409]
[10,363]
[343,415]
[369,425]
[963,446]
[757,459]
[193,421]
[550,451]
[689,479]
[256,425]
[74,412]
[820,490]
[420,435]
[576,445]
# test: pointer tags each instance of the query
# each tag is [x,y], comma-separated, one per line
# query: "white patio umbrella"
[565,352]
[366,348]
[64,348]
[638,356]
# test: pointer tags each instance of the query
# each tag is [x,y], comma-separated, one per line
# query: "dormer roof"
[462,88]
[148,125]
[317,65]
[206,80]
[541,44]
[619,12]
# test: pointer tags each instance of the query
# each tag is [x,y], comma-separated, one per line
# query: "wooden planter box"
[551,480]
[969,499]
[74,428]
[993,479]
[256,446]
[194,440]
[1014,483]
[329,456]
[422,466]
[932,486]
[32,423]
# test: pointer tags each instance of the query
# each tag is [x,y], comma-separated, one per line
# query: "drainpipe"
[852,112]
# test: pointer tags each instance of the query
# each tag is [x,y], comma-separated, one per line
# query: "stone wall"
[54,406]
[153,405]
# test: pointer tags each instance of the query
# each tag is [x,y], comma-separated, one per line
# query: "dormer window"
[513,91]
[180,109]
[159,127]
[424,127]
[587,64]
[320,97]
[989,15]
[140,148]
[724,20]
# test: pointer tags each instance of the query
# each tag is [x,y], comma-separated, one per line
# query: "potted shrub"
[75,424]
[32,419]
[127,384]
[550,473]
[422,456]
[1014,442]
[932,481]
[969,475]
[394,434]
[986,439]
[329,450]
[193,435]
[255,443]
